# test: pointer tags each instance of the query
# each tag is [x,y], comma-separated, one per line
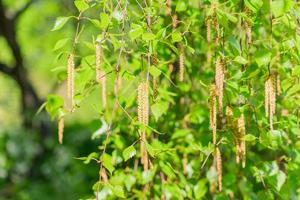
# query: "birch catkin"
[241,146]
[270,99]
[208,30]
[100,75]
[143,117]
[61,125]
[219,79]
[70,84]
[213,112]
[219,167]
[181,64]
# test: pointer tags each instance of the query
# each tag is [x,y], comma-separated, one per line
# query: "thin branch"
[6,69]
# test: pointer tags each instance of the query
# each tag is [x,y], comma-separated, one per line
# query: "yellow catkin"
[219,79]
[208,30]
[241,132]
[270,99]
[61,125]
[213,112]
[219,167]
[70,84]
[181,64]
[100,75]
[267,91]
[143,117]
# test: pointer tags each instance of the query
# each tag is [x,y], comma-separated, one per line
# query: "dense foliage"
[195,99]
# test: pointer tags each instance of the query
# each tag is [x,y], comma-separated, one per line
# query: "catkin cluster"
[240,132]
[143,117]
[70,84]
[219,79]
[181,64]
[270,99]
[213,111]
[100,75]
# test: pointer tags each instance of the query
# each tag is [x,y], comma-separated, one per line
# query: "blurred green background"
[32,163]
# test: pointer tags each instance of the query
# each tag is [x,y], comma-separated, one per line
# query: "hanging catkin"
[218,158]
[208,30]
[213,111]
[143,117]
[270,99]
[61,125]
[181,63]
[219,79]
[241,144]
[100,75]
[70,84]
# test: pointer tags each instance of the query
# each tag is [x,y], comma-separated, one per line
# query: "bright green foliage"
[141,43]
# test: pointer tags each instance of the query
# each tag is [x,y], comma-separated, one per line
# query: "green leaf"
[136,31]
[118,191]
[154,71]
[148,175]
[159,109]
[149,149]
[81,5]
[280,7]
[181,6]
[240,60]
[129,152]
[254,5]
[104,20]
[167,170]
[60,43]
[106,159]
[130,181]
[249,137]
[176,37]
[281,178]
[200,189]
[294,89]
[59,23]
[262,57]
[148,36]
[54,104]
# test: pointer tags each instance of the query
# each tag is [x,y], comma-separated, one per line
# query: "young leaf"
[129,152]
[59,23]
[81,5]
